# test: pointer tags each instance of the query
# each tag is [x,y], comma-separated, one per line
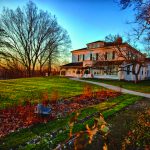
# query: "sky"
[85,20]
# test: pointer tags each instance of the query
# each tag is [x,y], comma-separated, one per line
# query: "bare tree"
[146,44]
[29,34]
[142,18]
[54,52]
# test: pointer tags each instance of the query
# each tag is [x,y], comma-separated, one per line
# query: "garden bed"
[17,117]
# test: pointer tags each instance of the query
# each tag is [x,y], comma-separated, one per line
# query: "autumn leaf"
[104,129]
[105,147]
[91,132]
[72,121]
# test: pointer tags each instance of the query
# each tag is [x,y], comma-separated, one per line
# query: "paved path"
[115,88]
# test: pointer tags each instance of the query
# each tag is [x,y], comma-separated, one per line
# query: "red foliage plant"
[87,91]
[17,117]
[54,96]
[45,98]
[22,116]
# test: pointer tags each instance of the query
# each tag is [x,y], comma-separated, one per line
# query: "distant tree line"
[31,40]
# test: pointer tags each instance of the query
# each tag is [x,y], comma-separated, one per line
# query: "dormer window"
[98,45]
[101,44]
[90,46]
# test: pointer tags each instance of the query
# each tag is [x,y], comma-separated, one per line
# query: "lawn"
[16,90]
[142,86]
[49,135]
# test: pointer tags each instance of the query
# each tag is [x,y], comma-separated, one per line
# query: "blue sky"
[85,20]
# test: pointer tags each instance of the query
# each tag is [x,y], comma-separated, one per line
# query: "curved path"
[115,88]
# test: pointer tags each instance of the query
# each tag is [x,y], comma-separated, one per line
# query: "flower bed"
[17,117]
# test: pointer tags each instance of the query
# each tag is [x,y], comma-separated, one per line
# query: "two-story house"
[113,60]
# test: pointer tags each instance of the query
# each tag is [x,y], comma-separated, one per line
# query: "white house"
[111,60]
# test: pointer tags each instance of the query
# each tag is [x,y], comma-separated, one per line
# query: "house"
[109,60]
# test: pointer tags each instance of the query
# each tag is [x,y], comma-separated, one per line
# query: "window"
[106,56]
[128,70]
[98,45]
[78,57]
[96,56]
[83,57]
[113,55]
[128,54]
[90,56]
[94,45]
[109,56]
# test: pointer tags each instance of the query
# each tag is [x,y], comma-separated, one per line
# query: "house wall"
[102,52]
[148,70]
[131,77]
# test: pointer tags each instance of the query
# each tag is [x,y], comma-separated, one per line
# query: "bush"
[86,72]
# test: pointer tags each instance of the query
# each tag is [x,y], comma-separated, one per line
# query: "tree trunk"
[40,70]
[136,78]
[136,71]
[29,72]
[33,70]
[49,68]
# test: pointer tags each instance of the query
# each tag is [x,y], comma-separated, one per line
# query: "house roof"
[75,64]
[106,44]
[80,49]
[110,44]
[113,44]
[96,42]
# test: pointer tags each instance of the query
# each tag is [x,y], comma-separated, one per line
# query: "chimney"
[118,40]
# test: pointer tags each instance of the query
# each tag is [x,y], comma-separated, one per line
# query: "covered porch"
[106,69]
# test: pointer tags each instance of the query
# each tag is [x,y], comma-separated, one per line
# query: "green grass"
[14,139]
[142,86]
[31,88]
[12,91]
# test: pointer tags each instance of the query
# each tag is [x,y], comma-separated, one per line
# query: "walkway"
[115,88]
